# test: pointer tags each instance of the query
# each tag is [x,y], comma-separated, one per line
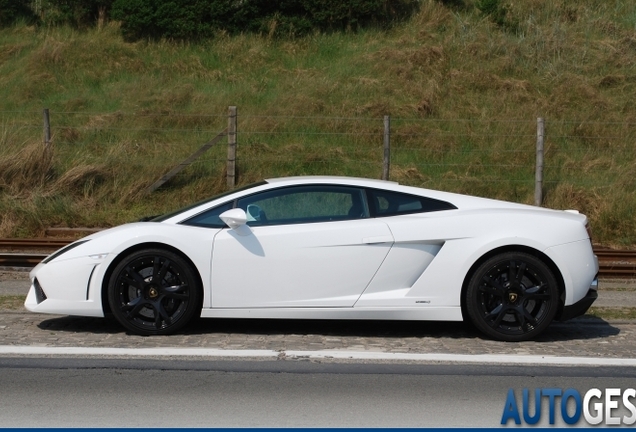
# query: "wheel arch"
[123,254]
[515,248]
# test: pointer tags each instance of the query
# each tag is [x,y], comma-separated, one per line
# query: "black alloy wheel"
[154,291]
[512,297]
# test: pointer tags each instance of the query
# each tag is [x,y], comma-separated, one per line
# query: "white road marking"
[133,352]
[211,353]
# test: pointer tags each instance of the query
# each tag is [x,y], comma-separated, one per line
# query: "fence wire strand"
[491,150]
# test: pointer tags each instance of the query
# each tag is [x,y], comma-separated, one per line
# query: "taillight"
[589,231]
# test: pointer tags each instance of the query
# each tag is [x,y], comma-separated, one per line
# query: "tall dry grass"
[463,94]
[27,170]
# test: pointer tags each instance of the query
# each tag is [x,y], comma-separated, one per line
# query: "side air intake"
[39,292]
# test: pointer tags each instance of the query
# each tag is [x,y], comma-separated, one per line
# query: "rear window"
[388,203]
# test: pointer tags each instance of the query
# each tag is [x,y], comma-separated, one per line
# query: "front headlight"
[63,250]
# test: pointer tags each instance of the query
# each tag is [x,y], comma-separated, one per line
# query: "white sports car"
[330,248]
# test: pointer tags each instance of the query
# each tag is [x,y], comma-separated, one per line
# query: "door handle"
[377,239]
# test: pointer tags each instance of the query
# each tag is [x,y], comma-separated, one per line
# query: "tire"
[512,297]
[153,292]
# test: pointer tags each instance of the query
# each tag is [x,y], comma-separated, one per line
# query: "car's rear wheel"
[154,291]
[512,296]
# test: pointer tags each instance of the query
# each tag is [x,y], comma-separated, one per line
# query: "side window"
[210,218]
[304,204]
[387,203]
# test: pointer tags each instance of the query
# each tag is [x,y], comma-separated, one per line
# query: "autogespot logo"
[611,406]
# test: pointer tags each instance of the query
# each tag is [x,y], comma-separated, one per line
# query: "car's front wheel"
[154,291]
[512,296]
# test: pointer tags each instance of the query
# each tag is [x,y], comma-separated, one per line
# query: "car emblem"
[513,297]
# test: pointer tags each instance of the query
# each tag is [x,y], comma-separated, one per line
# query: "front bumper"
[66,287]
[580,307]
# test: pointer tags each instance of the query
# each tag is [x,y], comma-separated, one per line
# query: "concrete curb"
[213,353]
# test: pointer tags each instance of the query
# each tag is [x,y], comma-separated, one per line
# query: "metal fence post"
[538,177]
[231,147]
[387,148]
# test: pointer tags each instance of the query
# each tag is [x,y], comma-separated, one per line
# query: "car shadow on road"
[578,329]
[583,328]
[572,330]
[76,324]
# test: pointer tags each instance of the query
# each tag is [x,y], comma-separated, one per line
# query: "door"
[303,246]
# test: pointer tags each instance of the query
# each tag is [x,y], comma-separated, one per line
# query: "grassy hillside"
[463,92]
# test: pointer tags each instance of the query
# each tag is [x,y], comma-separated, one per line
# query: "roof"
[328,179]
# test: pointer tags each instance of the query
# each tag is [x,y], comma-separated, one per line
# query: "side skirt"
[399,314]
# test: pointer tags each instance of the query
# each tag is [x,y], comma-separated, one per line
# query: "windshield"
[191,206]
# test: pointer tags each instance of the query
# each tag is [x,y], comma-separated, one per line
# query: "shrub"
[455,4]
[498,13]
[189,19]
[77,13]
[329,15]
[15,10]
[197,19]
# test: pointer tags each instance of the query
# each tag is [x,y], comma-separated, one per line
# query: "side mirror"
[234,218]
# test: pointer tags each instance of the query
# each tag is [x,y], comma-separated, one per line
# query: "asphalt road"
[161,393]
[178,391]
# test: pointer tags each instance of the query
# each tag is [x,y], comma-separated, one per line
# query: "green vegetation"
[463,90]
[15,10]
[612,313]
[198,19]
[12,303]
[75,13]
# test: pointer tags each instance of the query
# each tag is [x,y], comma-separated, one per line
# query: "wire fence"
[488,157]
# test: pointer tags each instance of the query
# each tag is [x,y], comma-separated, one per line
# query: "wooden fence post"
[231,147]
[47,129]
[387,148]
[538,177]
